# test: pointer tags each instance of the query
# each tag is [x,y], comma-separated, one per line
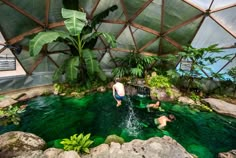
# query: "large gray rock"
[32,154]
[221,106]
[155,147]
[15,143]
[52,152]
[185,100]
[69,154]
[162,95]
[229,154]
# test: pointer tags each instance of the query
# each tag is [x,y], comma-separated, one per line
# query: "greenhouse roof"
[149,27]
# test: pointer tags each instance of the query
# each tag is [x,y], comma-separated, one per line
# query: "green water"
[54,117]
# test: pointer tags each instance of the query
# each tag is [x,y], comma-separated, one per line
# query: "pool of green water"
[55,117]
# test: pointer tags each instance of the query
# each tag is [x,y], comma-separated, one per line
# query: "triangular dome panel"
[172,15]
[150,16]
[207,35]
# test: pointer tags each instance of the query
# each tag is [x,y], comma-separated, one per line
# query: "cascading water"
[143,91]
[131,122]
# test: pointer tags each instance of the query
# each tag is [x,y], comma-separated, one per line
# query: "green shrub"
[78,143]
[160,81]
[10,115]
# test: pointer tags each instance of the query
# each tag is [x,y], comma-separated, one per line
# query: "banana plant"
[82,65]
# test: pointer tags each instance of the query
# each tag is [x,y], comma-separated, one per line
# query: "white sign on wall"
[186,65]
[7,63]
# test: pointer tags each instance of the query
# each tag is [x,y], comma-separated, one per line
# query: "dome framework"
[149,27]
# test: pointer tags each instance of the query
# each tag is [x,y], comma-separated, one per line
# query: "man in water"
[118,91]
[153,105]
[162,120]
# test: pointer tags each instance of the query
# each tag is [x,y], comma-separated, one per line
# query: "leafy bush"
[10,115]
[134,64]
[79,143]
[160,81]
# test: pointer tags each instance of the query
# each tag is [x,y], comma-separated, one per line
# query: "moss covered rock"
[114,138]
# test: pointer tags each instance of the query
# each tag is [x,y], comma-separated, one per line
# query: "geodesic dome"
[149,27]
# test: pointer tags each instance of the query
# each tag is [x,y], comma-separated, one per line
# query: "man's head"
[158,103]
[117,79]
[172,117]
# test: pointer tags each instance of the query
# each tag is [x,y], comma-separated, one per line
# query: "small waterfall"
[143,91]
[131,122]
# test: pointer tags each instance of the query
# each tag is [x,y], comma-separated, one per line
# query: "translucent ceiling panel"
[202,3]
[212,33]
[220,3]
[150,16]
[173,15]
[113,29]
[153,47]
[133,6]
[99,54]
[227,18]
[58,47]
[185,34]
[12,19]
[106,62]
[141,37]
[59,58]
[55,11]
[219,66]
[115,54]
[167,48]
[26,60]
[125,40]
[87,5]
[33,7]
[231,65]
[100,44]
[105,4]
[45,66]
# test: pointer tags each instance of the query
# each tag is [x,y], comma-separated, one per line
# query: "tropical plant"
[134,64]
[232,73]
[199,60]
[82,65]
[79,143]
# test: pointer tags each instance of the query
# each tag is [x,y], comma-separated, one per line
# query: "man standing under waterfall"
[118,91]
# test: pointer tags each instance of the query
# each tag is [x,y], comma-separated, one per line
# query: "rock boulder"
[15,143]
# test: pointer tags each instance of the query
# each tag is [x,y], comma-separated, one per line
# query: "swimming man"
[162,120]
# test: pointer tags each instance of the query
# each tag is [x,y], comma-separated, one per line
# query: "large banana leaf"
[91,62]
[43,38]
[92,65]
[71,68]
[101,75]
[75,21]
